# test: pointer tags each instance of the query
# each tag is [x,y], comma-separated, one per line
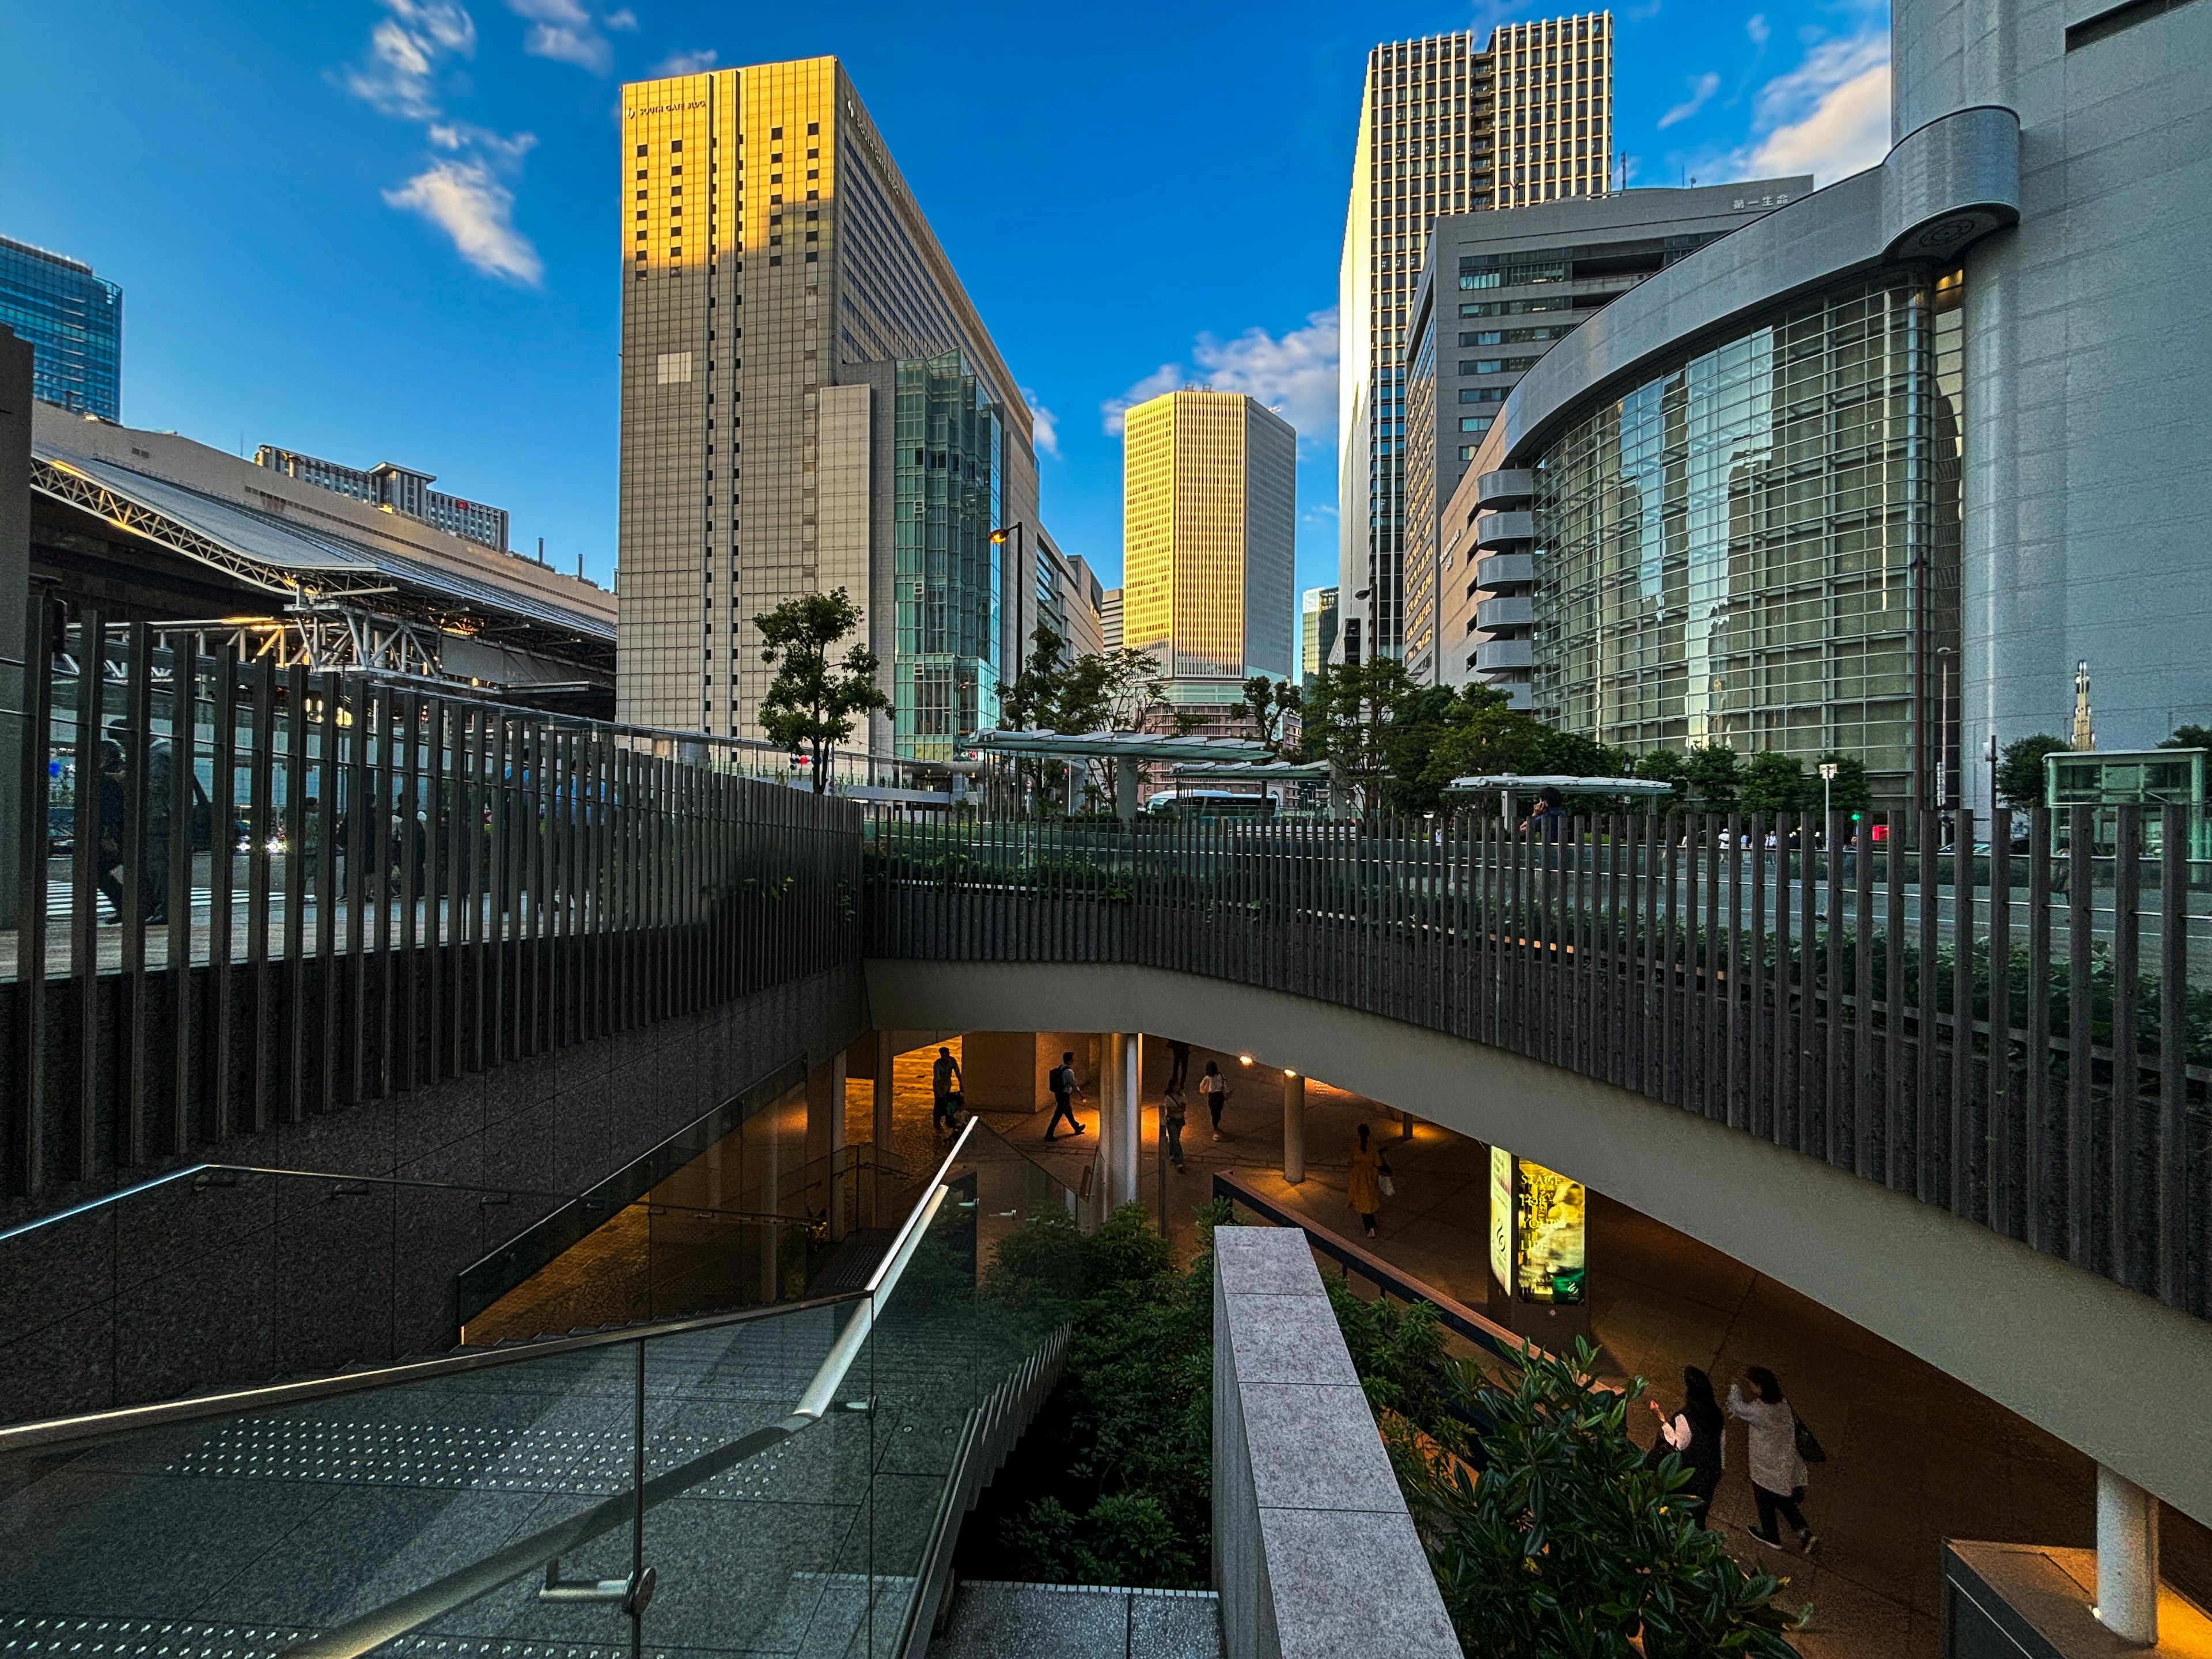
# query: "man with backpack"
[1062,1083]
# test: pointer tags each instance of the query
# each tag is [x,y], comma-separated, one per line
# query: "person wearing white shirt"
[1777,1473]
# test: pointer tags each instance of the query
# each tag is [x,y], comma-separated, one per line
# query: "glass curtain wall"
[1760,547]
[947,484]
[1423,613]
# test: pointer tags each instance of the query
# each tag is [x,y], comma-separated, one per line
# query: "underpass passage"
[1916,1456]
[781,1474]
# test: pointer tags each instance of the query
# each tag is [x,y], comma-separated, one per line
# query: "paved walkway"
[1916,1456]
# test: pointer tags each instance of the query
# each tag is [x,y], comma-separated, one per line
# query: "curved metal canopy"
[1253,771]
[1117,745]
[1565,783]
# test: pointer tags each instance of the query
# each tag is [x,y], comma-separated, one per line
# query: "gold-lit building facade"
[1444,127]
[776,273]
[1208,526]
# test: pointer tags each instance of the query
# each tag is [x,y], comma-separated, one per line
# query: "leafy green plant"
[1569,1542]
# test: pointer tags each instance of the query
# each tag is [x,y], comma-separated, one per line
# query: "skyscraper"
[1318,631]
[74,321]
[1109,618]
[808,401]
[1443,128]
[1208,519]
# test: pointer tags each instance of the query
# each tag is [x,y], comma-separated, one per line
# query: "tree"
[1664,766]
[2189,737]
[1572,1542]
[812,703]
[1710,771]
[2019,767]
[1848,793]
[1270,702]
[1349,710]
[1774,783]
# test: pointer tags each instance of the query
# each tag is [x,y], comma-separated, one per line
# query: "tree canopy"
[811,702]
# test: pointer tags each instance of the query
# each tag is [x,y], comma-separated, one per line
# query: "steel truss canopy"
[1254,771]
[1565,783]
[316,567]
[1117,746]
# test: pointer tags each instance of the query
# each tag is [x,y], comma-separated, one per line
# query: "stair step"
[998,1620]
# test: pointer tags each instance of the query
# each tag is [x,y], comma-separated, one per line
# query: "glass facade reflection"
[74,321]
[1760,547]
[945,666]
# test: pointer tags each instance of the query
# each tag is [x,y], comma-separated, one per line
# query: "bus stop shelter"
[1124,748]
[1509,784]
[1260,772]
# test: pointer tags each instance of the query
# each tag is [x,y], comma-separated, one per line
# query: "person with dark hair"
[1215,1088]
[106,782]
[1548,815]
[1062,1083]
[1173,1112]
[1363,1192]
[159,762]
[945,1088]
[1777,1471]
[1694,1434]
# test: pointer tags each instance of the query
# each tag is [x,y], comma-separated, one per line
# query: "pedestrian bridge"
[1958,1092]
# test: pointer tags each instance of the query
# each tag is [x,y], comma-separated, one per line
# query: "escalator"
[781,1479]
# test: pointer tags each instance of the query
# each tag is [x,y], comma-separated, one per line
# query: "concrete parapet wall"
[1315,1556]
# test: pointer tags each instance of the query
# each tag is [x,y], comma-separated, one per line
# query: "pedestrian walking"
[945,1090]
[1062,1083]
[1365,1190]
[1214,1088]
[1694,1433]
[1178,1064]
[1172,1114]
[107,819]
[1778,1467]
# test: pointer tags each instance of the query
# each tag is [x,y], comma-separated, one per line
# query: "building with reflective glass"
[1446,125]
[800,362]
[74,321]
[1498,290]
[1208,522]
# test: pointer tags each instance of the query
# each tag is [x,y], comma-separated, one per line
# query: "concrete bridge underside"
[2112,1372]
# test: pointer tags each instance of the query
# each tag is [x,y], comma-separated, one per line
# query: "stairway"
[1002,1620]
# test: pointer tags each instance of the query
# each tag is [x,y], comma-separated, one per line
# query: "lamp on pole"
[1828,770]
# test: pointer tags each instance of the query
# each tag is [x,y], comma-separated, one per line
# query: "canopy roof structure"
[1117,746]
[300,560]
[1252,771]
[1565,783]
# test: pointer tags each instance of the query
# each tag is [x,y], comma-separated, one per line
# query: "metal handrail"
[410,1611]
[22,1229]
[86,1427]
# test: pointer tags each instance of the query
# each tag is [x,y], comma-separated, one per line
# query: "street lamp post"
[1828,770]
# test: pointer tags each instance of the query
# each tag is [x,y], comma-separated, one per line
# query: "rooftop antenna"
[541,550]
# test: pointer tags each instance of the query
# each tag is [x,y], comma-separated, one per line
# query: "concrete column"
[826,1141]
[2127,1559]
[1118,1120]
[1294,1128]
[1125,789]
[14,614]
[882,1126]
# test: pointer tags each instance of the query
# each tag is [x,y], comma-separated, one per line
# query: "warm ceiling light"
[1287,1072]
[1245,1059]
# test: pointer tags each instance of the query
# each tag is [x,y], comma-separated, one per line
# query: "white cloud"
[1293,373]
[1044,426]
[1829,116]
[562,31]
[623,22]
[1756,27]
[686,62]
[1702,88]
[1168,377]
[405,51]
[502,151]
[465,199]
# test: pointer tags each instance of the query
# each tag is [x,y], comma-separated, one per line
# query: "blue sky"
[388,229]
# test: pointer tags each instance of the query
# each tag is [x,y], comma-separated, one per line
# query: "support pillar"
[1118,1117]
[2127,1559]
[1125,789]
[1294,1128]
[18,837]
[825,1142]
[885,1057]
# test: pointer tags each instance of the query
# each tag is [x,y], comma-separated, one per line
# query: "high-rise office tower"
[1443,128]
[1316,631]
[400,489]
[1109,618]
[808,401]
[1208,519]
[74,321]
